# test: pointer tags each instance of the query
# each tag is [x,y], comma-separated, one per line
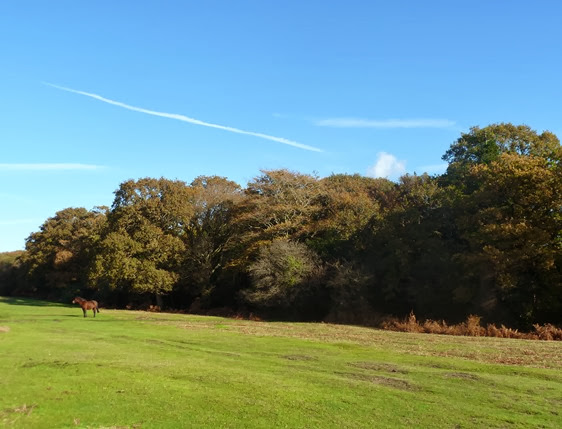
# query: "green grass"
[138,369]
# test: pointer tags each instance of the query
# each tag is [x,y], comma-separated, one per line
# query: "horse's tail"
[97,308]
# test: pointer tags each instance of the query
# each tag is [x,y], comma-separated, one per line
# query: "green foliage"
[410,253]
[142,247]
[208,236]
[9,266]
[346,205]
[348,285]
[139,262]
[283,273]
[57,255]
[484,145]
[280,204]
[512,223]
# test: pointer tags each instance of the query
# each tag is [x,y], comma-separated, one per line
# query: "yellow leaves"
[62,257]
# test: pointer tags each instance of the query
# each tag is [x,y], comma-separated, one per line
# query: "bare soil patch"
[395,383]
[299,357]
[463,375]
[379,366]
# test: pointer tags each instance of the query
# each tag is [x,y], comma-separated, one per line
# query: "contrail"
[186,119]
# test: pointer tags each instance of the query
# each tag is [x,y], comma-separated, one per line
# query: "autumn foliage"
[472,327]
[483,238]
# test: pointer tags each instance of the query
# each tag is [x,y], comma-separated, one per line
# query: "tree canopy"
[483,238]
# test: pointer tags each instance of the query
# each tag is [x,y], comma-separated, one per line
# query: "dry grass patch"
[299,357]
[10,416]
[472,328]
[543,354]
[395,383]
[462,375]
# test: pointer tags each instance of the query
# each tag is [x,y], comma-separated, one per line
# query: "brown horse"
[86,305]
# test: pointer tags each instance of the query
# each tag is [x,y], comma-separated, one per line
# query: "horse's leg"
[84,311]
[94,310]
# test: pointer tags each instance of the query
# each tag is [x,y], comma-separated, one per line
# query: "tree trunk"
[159,301]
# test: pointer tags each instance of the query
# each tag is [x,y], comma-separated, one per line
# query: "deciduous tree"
[513,223]
[143,247]
[59,253]
[208,236]
[285,274]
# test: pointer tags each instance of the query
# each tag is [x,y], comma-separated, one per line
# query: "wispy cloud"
[48,167]
[184,118]
[384,123]
[387,166]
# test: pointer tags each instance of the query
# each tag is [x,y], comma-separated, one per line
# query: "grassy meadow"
[130,369]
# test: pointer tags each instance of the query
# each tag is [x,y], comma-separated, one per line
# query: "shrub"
[283,273]
[548,332]
[471,327]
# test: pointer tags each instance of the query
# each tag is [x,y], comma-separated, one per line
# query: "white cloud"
[384,123]
[387,166]
[48,167]
[187,119]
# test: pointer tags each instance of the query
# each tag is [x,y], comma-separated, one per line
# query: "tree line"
[483,238]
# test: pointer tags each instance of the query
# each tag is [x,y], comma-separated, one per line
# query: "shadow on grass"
[39,303]
[63,318]
[98,318]
[31,302]
[81,316]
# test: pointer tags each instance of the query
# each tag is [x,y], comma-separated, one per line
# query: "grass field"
[137,369]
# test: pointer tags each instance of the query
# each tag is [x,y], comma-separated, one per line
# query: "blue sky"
[369,87]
